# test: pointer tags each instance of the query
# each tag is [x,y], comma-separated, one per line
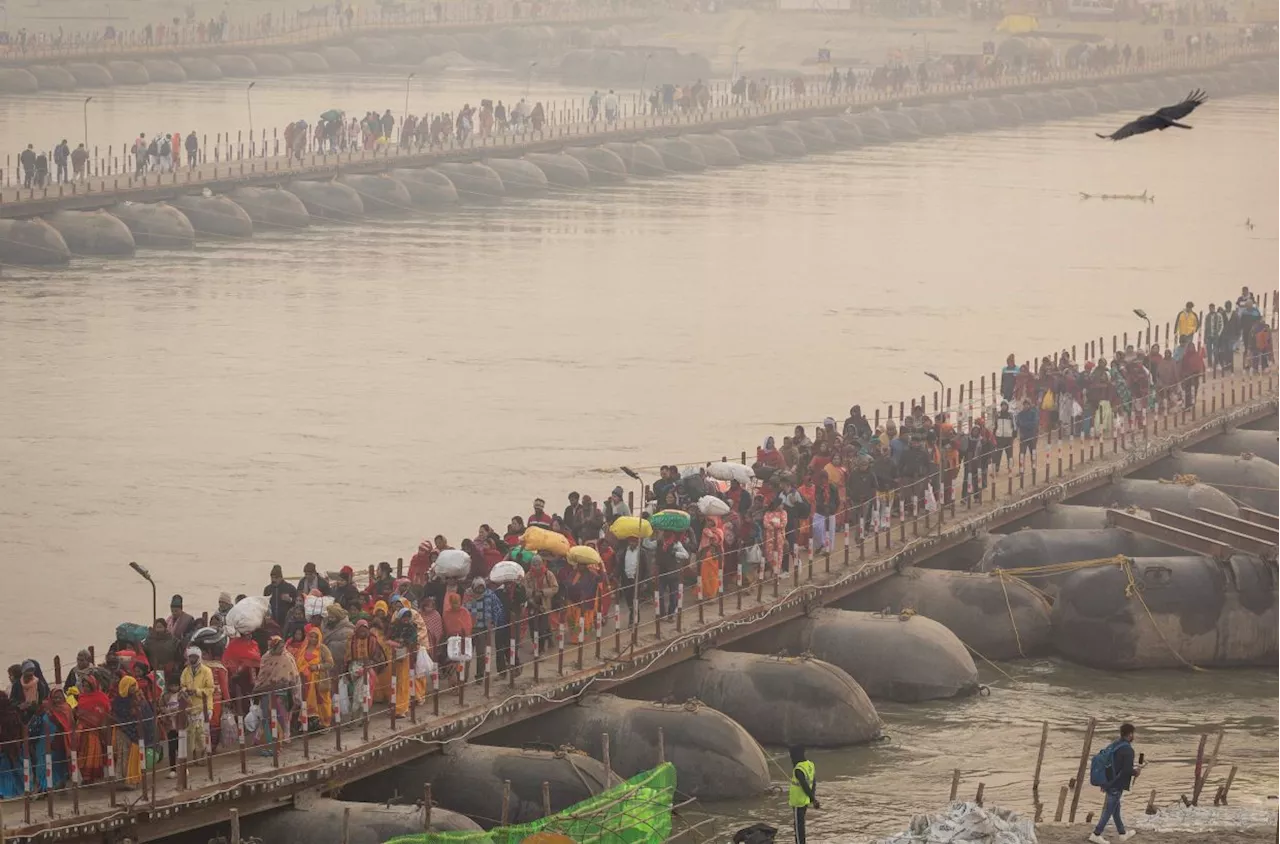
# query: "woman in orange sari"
[710,555]
[457,622]
[315,668]
[93,711]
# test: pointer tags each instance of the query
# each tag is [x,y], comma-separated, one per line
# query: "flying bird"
[1161,119]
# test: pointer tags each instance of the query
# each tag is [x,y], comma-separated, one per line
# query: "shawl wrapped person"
[10,748]
[279,684]
[133,730]
[93,714]
[315,670]
[364,652]
[337,632]
[242,660]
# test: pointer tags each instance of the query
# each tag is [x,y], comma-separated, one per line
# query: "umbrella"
[331,115]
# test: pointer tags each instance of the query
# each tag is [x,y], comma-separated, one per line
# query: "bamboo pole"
[1080,771]
[1044,738]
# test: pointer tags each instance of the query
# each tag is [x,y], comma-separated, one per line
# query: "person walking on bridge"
[79,157]
[1187,324]
[803,792]
[28,161]
[61,157]
[193,150]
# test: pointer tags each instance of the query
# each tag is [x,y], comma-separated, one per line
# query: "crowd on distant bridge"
[305,653]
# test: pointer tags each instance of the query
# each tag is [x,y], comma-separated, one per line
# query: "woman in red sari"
[93,712]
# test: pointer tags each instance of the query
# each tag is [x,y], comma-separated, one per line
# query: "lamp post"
[146,575]
[644,77]
[248,98]
[733,75]
[528,81]
[87,100]
[1143,314]
[407,80]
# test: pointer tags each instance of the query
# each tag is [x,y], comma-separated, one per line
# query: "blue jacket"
[1028,423]
[1122,766]
[487,611]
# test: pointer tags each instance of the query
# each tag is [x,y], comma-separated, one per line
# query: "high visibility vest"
[796,796]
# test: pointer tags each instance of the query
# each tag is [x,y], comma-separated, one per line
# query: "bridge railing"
[399,694]
[237,152]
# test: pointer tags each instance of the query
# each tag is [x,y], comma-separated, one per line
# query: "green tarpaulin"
[637,811]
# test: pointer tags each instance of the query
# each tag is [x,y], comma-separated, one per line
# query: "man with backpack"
[1113,770]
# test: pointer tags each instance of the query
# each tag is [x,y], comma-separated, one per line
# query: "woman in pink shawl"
[775,535]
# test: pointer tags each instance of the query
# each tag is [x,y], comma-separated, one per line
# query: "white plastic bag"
[460,648]
[755,556]
[344,699]
[248,615]
[253,720]
[709,505]
[930,501]
[423,666]
[452,563]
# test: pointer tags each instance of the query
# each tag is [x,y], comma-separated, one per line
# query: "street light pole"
[528,82]
[406,99]
[146,575]
[87,100]
[733,76]
[249,101]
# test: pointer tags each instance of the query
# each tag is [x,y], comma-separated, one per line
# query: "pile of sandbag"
[967,823]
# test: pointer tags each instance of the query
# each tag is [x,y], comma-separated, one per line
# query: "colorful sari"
[315,668]
[133,731]
[93,711]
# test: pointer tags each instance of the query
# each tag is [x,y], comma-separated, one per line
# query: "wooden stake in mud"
[1151,803]
[235,826]
[1044,738]
[982,787]
[426,807]
[546,799]
[955,784]
[1195,776]
[346,825]
[662,747]
[1208,769]
[1226,786]
[604,758]
[1080,771]
[1062,801]
[506,801]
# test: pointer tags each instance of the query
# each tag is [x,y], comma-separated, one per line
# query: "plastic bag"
[626,527]
[248,615]
[424,666]
[253,720]
[230,735]
[452,563]
[930,501]
[343,699]
[755,556]
[460,648]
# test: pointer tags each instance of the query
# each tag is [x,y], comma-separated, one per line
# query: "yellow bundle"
[545,541]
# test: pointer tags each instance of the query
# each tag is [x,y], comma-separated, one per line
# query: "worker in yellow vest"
[1188,323]
[804,789]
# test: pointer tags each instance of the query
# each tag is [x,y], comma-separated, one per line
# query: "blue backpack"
[1101,770]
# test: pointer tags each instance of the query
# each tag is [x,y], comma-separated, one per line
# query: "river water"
[338,394]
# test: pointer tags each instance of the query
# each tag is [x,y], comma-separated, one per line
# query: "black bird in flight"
[1162,119]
